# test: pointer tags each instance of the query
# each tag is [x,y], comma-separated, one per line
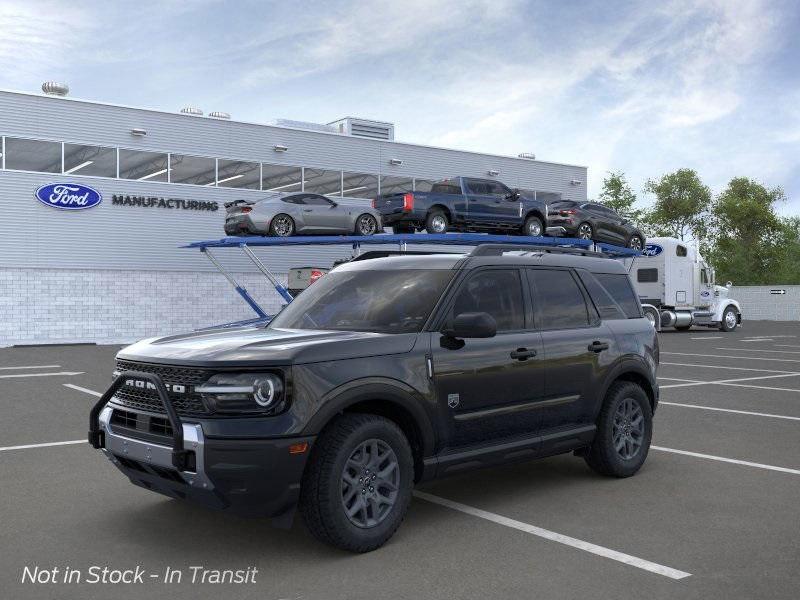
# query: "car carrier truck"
[677,288]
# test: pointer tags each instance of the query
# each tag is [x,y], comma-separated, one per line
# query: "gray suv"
[284,215]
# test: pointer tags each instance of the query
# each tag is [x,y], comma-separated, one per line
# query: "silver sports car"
[301,213]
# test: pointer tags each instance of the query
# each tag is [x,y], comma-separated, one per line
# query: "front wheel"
[624,430]
[366,224]
[729,320]
[636,242]
[357,485]
[533,227]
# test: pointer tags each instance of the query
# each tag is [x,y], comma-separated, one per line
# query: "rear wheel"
[357,485]
[729,320]
[281,226]
[624,430]
[533,227]
[436,222]
[585,231]
[366,224]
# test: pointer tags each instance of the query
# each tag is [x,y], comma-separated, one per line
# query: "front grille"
[186,404]
[141,426]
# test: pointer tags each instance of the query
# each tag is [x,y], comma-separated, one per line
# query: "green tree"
[681,206]
[751,244]
[618,195]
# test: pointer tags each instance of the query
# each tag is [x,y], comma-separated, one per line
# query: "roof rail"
[499,249]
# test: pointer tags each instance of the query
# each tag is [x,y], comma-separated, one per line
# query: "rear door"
[578,347]
[489,388]
[480,201]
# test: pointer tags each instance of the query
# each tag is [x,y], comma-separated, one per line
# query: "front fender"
[393,391]
[725,303]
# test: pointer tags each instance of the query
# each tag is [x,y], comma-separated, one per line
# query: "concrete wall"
[759,304]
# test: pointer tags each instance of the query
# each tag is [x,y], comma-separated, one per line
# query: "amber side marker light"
[298,448]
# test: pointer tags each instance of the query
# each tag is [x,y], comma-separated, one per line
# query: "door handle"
[307,210]
[522,354]
[598,346]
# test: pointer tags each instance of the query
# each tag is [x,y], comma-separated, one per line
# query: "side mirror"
[472,325]
[334,204]
[729,284]
[514,195]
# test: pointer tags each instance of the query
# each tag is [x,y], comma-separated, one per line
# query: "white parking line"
[556,537]
[727,381]
[16,375]
[82,389]
[31,367]
[727,460]
[760,350]
[730,410]
[757,340]
[672,364]
[725,356]
[787,346]
[708,337]
[67,443]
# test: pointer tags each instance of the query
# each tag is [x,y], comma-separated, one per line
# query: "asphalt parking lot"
[712,514]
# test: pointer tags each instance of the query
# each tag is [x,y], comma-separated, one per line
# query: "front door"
[324,215]
[488,388]
[578,348]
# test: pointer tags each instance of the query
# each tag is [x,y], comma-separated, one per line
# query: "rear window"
[621,291]
[647,275]
[446,187]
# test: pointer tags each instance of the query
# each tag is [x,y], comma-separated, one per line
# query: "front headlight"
[238,393]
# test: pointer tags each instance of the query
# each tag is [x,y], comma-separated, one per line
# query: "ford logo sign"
[652,250]
[68,196]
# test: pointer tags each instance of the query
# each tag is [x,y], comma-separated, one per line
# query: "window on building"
[280,178]
[396,185]
[33,155]
[423,185]
[143,166]
[496,292]
[560,300]
[98,161]
[359,185]
[321,181]
[238,174]
[196,170]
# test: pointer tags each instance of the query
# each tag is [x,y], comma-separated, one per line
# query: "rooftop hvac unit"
[527,155]
[53,88]
[192,110]
[376,130]
[219,115]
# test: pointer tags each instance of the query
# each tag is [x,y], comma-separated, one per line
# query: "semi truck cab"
[677,288]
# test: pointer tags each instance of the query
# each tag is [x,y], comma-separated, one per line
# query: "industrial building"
[114,272]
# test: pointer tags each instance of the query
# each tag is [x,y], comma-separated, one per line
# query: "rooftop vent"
[53,88]
[303,125]
[376,130]
[192,110]
[219,115]
[527,155]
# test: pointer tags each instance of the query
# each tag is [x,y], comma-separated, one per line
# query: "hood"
[258,346]
[720,291]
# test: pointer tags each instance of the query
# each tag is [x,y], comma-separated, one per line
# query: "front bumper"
[251,477]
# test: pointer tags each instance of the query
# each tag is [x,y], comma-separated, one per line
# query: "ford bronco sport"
[386,373]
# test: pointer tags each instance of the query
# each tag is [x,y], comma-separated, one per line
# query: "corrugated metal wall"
[120,237]
[767,302]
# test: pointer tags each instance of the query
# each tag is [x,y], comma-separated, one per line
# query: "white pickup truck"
[677,289]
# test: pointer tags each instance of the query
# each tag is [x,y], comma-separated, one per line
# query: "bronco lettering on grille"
[175,388]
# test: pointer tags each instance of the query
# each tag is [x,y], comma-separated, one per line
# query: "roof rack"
[499,249]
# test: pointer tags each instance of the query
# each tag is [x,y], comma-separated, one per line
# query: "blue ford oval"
[68,196]
[652,250]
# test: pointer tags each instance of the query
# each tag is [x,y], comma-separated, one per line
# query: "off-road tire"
[321,491]
[602,456]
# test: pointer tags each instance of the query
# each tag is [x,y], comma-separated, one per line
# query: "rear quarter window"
[619,288]
[446,187]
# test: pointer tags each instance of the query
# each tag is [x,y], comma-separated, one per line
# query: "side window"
[560,300]
[477,187]
[703,276]
[606,306]
[444,187]
[496,292]
[619,286]
[498,189]
[647,275]
[681,251]
[294,199]
[315,200]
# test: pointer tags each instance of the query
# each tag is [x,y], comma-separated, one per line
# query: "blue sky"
[641,87]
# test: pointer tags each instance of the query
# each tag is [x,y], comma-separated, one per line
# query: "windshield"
[391,301]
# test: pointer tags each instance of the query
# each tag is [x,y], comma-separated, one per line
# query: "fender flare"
[630,365]
[393,391]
